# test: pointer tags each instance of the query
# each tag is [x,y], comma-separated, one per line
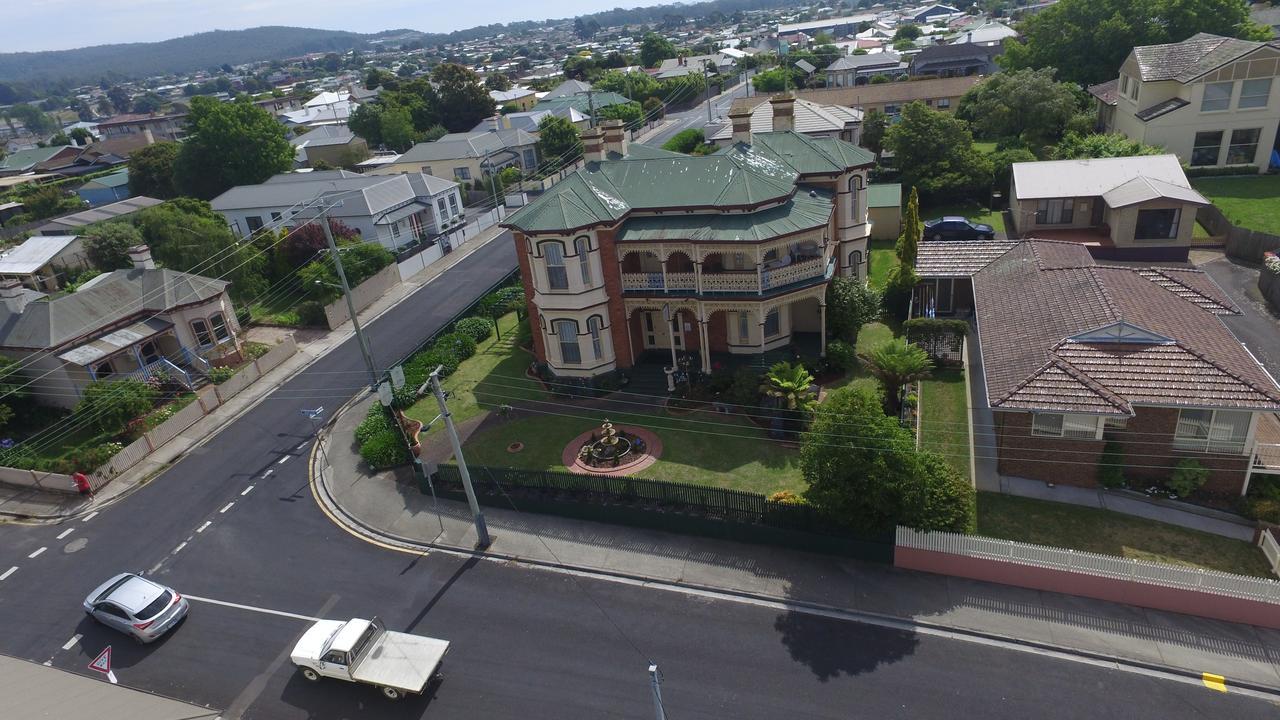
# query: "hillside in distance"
[179,55]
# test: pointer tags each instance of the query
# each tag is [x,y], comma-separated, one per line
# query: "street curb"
[361,528]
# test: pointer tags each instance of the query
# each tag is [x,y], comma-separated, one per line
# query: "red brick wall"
[1146,442]
[526,279]
[618,328]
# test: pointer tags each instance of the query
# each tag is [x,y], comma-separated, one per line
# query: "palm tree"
[790,384]
[897,362]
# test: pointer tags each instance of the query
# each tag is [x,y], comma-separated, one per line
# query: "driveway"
[1259,326]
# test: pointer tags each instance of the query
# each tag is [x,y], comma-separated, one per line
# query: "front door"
[1095,218]
[149,352]
[657,331]
[333,664]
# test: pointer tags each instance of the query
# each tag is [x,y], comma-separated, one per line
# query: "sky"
[29,26]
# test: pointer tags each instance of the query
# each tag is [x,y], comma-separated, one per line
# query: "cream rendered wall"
[579,302]
[1123,222]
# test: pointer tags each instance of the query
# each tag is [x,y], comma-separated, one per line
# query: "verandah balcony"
[761,280]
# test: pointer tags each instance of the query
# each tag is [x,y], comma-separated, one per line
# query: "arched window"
[557,275]
[582,246]
[855,187]
[566,332]
[855,264]
[597,344]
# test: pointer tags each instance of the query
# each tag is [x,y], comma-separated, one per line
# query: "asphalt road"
[235,523]
[696,116]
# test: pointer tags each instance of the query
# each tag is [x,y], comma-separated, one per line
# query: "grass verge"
[944,418]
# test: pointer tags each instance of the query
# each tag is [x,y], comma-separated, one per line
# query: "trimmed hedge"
[384,449]
[375,421]
[476,328]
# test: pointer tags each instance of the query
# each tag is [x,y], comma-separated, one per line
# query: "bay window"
[1157,224]
[1222,431]
[582,246]
[557,275]
[219,324]
[597,345]
[567,333]
[772,323]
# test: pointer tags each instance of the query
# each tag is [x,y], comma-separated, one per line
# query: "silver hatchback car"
[138,607]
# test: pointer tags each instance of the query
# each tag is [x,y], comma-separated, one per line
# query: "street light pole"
[361,340]
[482,531]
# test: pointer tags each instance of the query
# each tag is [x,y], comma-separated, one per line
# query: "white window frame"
[774,316]
[196,332]
[1256,100]
[1066,426]
[582,246]
[594,326]
[1217,148]
[744,328]
[562,330]
[1217,437]
[562,271]
[1231,143]
[216,321]
[1217,104]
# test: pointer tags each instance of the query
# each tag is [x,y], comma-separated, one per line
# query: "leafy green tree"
[935,153]
[229,144]
[897,362]
[360,261]
[111,404]
[874,125]
[789,384]
[59,138]
[907,31]
[908,244]
[850,305]
[1025,104]
[187,235]
[1002,165]
[50,201]
[557,137]
[774,80]
[636,86]
[366,122]
[497,81]
[108,245]
[119,98]
[1101,145]
[151,170]
[33,118]
[80,136]
[463,100]
[686,141]
[13,390]
[654,49]
[630,113]
[147,103]
[397,129]
[1087,40]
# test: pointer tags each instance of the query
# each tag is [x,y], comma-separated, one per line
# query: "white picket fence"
[1270,548]
[1108,566]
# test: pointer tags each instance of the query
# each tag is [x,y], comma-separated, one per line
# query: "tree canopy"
[935,153]
[187,235]
[1025,104]
[557,137]
[229,144]
[463,100]
[1087,40]
[1100,145]
[654,49]
[151,170]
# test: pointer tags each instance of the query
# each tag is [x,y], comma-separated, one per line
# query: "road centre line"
[37,553]
[246,491]
[252,608]
[179,548]
[72,642]
[89,517]
[283,460]
[65,533]
[9,572]
[227,507]
[206,524]
[268,472]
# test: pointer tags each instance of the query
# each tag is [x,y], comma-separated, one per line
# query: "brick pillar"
[526,279]
[611,271]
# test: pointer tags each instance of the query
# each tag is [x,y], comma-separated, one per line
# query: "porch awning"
[399,214]
[114,342]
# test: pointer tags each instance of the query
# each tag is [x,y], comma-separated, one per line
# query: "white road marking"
[252,608]
[283,460]
[206,524]
[65,533]
[246,491]
[155,567]
[9,572]
[227,506]
[72,642]
[37,553]
[90,516]
[179,548]
[300,446]
[268,472]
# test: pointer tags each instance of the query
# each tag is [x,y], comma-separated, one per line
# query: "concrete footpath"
[31,504]
[28,690]
[387,508]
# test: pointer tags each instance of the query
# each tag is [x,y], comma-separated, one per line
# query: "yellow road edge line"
[1214,682]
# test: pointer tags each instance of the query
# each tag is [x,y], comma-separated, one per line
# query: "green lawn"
[944,417]
[882,261]
[1112,533]
[1249,201]
[985,148]
[972,210]
[278,309]
[493,376]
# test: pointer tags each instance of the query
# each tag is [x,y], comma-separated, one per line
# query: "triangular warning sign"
[102,663]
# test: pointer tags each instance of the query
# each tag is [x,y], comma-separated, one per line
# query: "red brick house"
[1076,354]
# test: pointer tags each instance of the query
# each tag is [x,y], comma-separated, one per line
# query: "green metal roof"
[115,179]
[806,155]
[24,159]
[884,195]
[580,102]
[804,211]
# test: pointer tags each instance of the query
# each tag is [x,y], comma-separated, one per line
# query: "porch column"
[697,275]
[662,263]
[137,355]
[822,325]
[704,345]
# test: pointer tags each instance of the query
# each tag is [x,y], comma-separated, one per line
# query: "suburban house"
[1134,208]
[521,98]
[986,32]
[394,210]
[889,98]
[835,121]
[695,64]
[126,323]
[528,121]
[835,26]
[852,70]
[567,88]
[106,189]
[931,13]
[726,254]
[1210,100]
[327,108]
[584,103]
[157,127]
[1076,355]
[884,210]
[956,60]
[35,160]
[333,145]
[467,156]
[41,261]
[67,224]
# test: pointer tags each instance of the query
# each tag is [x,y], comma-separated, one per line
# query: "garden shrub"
[745,389]
[1111,466]
[1261,508]
[311,314]
[375,421]
[111,404]
[786,497]
[461,345]
[254,350]
[384,449]
[841,356]
[220,375]
[1187,477]
[476,328]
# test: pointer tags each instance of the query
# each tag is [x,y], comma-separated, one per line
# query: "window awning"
[114,342]
[399,214]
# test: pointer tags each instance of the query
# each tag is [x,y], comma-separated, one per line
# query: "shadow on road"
[831,648]
[462,569]
[340,700]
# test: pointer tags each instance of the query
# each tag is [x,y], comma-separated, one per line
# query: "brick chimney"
[784,110]
[593,145]
[13,296]
[615,137]
[141,257]
[740,118]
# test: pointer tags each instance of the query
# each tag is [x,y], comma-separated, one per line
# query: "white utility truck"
[364,651]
